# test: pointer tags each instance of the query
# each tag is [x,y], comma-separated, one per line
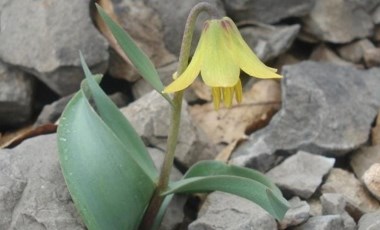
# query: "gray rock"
[150,116]
[376,15]
[45,41]
[329,222]
[324,54]
[362,159]
[173,15]
[222,211]
[319,112]
[372,57]
[298,213]
[370,221]
[301,174]
[334,203]
[371,179]
[358,200]
[267,41]
[354,52]
[33,190]
[16,96]
[263,10]
[315,206]
[146,30]
[339,21]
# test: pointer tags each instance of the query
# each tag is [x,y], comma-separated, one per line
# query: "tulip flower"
[219,56]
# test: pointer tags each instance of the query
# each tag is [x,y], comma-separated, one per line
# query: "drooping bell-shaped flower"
[219,56]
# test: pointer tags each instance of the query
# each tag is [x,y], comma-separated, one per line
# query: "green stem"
[163,182]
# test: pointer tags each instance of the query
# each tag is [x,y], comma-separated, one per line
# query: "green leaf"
[138,58]
[117,122]
[241,186]
[214,168]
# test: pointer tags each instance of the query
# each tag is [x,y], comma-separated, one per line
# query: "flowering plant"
[107,168]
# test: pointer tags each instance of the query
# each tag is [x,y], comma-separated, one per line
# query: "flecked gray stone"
[301,174]
[267,41]
[339,21]
[358,199]
[324,54]
[33,190]
[150,116]
[319,112]
[264,10]
[328,222]
[354,51]
[370,221]
[16,96]
[44,37]
[222,211]
[334,203]
[363,158]
[298,213]
[371,57]
[173,15]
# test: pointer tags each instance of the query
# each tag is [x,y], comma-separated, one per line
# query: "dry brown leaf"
[231,125]
[14,138]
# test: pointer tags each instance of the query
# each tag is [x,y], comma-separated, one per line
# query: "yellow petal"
[244,56]
[218,68]
[188,76]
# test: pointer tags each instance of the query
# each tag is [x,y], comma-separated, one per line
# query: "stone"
[222,211]
[375,133]
[334,203]
[358,199]
[370,221]
[376,15]
[267,41]
[16,96]
[298,213]
[150,116]
[33,190]
[146,30]
[339,21]
[371,179]
[354,52]
[301,174]
[263,10]
[328,222]
[315,206]
[174,21]
[372,57]
[319,112]
[50,113]
[362,159]
[324,54]
[45,41]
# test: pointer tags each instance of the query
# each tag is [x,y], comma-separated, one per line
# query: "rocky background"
[315,133]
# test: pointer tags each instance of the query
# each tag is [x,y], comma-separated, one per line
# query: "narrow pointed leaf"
[117,122]
[138,58]
[240,186]
[215,168]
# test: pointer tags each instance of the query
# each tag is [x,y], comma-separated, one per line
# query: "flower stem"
[163,182]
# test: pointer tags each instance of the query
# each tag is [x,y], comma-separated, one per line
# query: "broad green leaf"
[240,186]
[215,168]
[117,122]
[109,188]
[162,211]
[138,58]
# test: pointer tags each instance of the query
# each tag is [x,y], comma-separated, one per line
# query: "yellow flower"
[219,56]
